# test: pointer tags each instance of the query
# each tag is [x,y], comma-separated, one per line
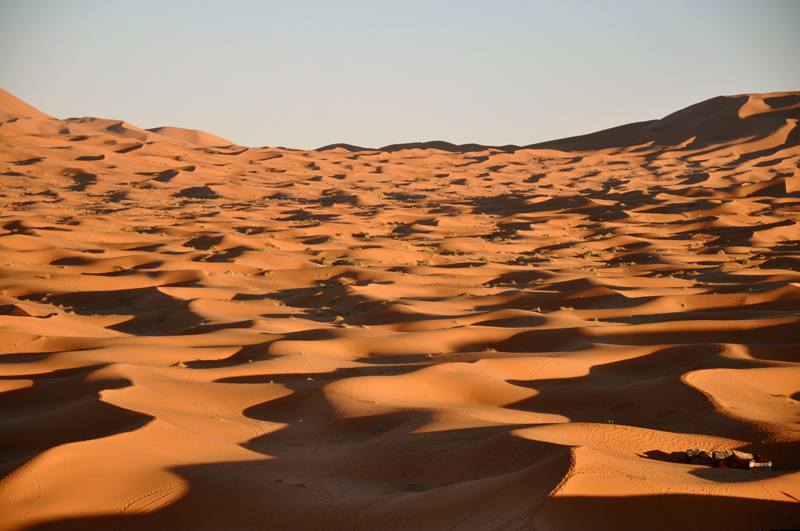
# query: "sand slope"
[198,335]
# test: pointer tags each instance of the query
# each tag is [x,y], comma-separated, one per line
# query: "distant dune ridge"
[13,107]
[200,335]
[200,138]
[714,121]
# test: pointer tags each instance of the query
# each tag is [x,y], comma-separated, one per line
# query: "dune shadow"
[273,494]
[338,374]
[731,475]
[371,472]
[669,511]
[664,457]
[149,310]
[644,391]
[59,407]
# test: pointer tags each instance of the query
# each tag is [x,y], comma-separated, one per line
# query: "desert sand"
[200,335]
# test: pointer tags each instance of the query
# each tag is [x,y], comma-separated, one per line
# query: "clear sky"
[304,74]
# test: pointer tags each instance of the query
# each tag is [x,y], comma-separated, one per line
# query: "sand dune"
[191,136]
[199,335]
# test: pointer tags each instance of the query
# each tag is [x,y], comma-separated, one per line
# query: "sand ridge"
[203,335]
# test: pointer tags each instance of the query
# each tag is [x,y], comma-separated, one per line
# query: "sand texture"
[199,335]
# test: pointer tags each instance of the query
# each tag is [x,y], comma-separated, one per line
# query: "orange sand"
[198,335]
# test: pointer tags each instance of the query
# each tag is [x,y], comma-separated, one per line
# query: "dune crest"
[711,123]
[12,106]
[203,335]
[192,136]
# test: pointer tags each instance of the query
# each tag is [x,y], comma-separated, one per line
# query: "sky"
[305,74]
